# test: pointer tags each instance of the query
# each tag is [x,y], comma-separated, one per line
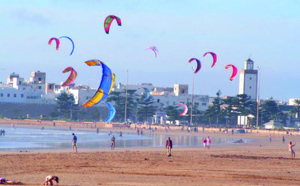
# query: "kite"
[108,20]
[71,77]
[185,109]
[154,50]
[56,40]
[106,84]
[71,42]
[147,94]
[234,71]
[214,57]
[198,64]
[112,112]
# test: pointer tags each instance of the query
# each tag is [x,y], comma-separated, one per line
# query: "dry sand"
[259,163]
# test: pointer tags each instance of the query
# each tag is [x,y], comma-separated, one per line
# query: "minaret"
[248,80]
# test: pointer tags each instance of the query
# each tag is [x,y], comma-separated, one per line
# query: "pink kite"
[234,71]
[214,57]
[154,50]
[56,40]
[198,64]
[71,77]
[185,109]
[108,20]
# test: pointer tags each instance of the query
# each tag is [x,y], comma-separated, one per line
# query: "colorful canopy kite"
[56,40]
[108,20]
[106,85]
[147,94]
[71,42]
[198,64]
[234,71]
[185,110]
[154,50]
[71,77]
[112,112]
[214,57]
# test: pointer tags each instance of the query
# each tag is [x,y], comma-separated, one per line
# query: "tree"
[269,110]
[65,103]
[172,113]
[96,113]
[297,106]
[146,109]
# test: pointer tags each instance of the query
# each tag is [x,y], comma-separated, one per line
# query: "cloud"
[30,17]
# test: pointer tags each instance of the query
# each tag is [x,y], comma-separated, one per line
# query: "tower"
[248,80]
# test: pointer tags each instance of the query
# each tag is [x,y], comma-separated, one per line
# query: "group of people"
[206,142]
[2,132]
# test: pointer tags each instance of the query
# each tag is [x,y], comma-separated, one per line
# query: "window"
[203,104]
[22,95]
[182,91]
[8,95]
[250,78]
[157,100]
[196,104]
[50,86]
[15,95]
[40,79]
[20,82]
[40,87]
[250,87]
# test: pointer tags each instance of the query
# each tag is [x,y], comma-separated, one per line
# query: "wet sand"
[259,163]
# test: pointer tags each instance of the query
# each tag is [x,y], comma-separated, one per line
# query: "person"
[5,181]
[112,145]
[50,179]
[120,133]
[270,137]
[74,142]
[291,145]
[283,139]
[169,146]
[204,143]
[208,141]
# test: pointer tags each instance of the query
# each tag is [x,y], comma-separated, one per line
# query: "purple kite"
[185,110]
[234,71]
[154,50]
[198,64]
[214,57]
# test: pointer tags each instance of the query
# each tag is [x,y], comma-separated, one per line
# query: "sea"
[37,139]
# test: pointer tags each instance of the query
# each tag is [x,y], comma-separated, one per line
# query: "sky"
[266,31]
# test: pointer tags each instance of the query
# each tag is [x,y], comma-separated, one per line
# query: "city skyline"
[233,30]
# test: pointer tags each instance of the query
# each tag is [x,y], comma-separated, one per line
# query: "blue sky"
[268,31]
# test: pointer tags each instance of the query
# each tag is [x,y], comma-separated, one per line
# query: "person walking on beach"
[208,141]
[112,145]
[291,145]
[283,139]
[169,146]
[74,143]
[270,137]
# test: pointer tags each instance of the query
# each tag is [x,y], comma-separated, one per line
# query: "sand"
[258,163]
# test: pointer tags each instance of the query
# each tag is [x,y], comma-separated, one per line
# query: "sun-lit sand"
[258,163]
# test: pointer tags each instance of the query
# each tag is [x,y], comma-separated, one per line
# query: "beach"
[260,162]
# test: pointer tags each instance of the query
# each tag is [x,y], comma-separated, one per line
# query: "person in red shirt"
[169,146]
[204,143]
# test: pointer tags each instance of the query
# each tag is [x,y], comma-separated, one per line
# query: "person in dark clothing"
[169,146]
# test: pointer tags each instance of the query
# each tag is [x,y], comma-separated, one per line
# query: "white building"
[248,80]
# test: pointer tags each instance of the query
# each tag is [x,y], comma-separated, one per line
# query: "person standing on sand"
[270,137]
[169,146]
[204,143]
[293,154]
[112,145]
[74,142]
[283,139]
[208,141]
